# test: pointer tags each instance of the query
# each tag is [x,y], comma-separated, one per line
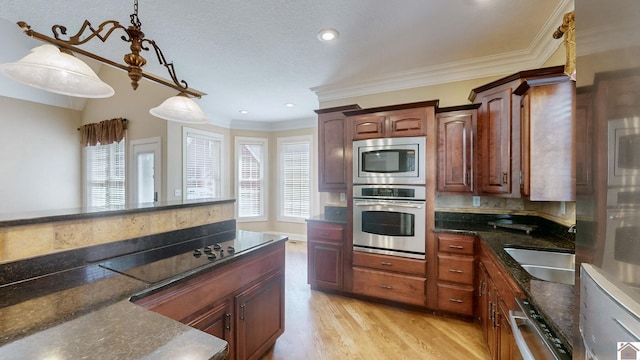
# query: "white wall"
[39,157]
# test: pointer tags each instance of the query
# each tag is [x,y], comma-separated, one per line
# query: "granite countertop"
[554,301]
[56,315]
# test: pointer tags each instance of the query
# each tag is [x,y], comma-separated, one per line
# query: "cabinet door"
[217,322]
[325,265]
[525,143]
[412,122]
[494,142]
[584,141]
[332,172]
[455,151]
[483,302]
[368,127]
[259,313]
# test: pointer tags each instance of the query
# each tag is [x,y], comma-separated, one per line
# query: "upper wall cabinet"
[547,125]
[498,147]
[333,145]
[392,121]
[456,128]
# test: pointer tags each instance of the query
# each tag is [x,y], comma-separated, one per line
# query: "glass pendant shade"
[48,68]
[180,108]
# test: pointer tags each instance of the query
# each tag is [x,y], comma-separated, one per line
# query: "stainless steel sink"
[546,265]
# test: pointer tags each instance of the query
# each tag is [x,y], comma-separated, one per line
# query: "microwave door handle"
[389,204]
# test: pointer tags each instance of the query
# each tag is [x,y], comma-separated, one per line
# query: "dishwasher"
[533,337]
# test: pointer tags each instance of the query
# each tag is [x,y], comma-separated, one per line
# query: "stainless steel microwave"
[389,161]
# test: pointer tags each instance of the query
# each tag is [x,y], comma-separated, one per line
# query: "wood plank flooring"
[327,326]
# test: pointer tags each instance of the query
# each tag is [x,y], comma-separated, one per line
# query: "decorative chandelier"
[53,67]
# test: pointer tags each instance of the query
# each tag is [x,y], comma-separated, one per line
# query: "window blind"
[251,179]
[202,166]
[295,182]
[106,175]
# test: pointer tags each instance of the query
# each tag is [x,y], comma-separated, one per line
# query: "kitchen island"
[86,312]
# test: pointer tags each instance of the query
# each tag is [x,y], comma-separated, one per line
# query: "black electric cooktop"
[159,264]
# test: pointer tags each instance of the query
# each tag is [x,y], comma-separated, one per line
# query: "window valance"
[104,132]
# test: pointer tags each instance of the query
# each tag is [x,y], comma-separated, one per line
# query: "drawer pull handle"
[456,300]
[386,286]
[455,271]
[385,263]
[456,247]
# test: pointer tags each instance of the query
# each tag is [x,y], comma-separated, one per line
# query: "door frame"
[156,142]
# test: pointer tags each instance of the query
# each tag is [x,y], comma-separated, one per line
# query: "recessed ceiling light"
[243,112]
[289,105]
[328,34]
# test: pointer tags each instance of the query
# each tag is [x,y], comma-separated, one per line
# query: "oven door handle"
[380,203]
[514,317]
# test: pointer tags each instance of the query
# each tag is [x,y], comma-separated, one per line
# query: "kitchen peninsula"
[71,301]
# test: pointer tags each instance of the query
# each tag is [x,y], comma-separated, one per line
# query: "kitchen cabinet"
[333,149]
[456,273]
[259,317]
[547,124]
[242,302]
[325,253]
[392,121]
[456,128]
[495,297]
[584,140]
[498,146]
[391,278]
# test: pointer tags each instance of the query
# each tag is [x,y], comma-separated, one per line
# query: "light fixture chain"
[135,20]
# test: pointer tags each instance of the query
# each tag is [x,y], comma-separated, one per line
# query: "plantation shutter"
[251,180]
[106,175]
[202,167]
[296,182]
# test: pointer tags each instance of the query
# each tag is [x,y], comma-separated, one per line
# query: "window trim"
[212,136]
[312,200]
[241,140]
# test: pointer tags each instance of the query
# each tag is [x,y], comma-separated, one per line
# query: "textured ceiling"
[257,55]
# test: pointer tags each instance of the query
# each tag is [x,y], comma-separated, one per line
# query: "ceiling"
[258,55]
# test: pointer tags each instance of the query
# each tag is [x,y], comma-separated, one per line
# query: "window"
[105,175]
[251,155]
[202,164]
[294,169]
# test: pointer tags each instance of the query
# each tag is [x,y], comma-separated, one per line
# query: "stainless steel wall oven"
[389,219]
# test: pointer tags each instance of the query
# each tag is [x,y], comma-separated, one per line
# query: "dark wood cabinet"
[456,273]
[584,140]
[496,296]
[325,254]
[402,120]
[333,149]
[547,125]
[391,278]
[495,142]
[259,314]
[242,302]
[456,128]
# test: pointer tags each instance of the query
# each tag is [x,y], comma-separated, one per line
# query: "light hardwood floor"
[327,326]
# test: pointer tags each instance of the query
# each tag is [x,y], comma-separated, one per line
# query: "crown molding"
[539,50]
[274,126]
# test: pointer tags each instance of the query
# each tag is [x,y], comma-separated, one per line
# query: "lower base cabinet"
[241,303]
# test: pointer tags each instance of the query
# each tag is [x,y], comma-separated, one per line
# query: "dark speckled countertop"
[554,301]
[85,312]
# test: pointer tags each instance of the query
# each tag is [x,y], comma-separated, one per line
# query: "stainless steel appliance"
[389,219]
[533,337]
[389,161]
[608,208]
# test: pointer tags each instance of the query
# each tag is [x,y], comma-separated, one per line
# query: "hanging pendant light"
[48,68]
[180,108]
[56,70]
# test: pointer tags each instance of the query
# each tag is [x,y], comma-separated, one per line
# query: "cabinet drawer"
[325,231]
[455,299]
[456,244]
[456,269]
[402,288]
[390,263]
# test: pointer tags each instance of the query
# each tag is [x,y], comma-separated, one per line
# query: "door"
[146,160]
